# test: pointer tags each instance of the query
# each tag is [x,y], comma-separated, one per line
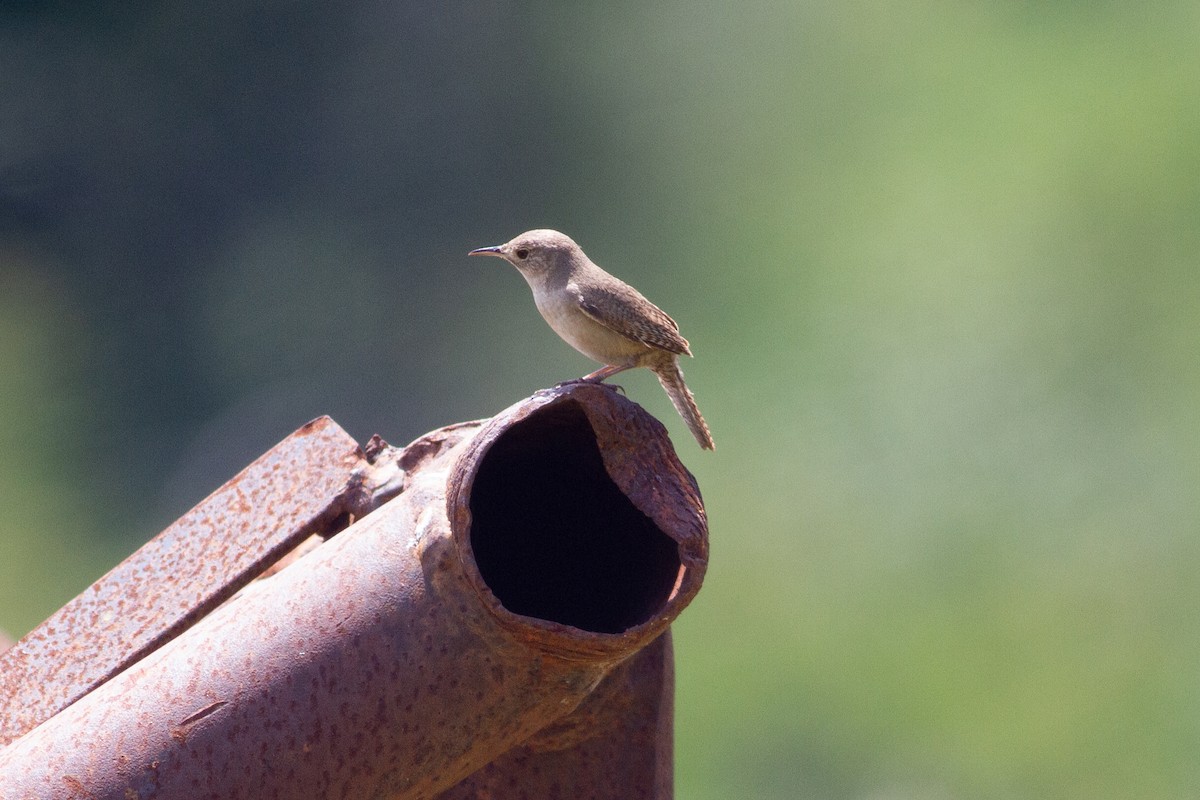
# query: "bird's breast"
[589,337]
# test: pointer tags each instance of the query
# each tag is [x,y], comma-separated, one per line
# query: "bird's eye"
[522,254]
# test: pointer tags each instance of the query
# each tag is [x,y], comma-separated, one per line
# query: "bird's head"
[538,255]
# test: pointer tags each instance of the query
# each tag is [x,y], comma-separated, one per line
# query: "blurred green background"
[938,262]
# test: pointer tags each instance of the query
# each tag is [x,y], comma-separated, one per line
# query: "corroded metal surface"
[618,745]
[180,575]
[494,604]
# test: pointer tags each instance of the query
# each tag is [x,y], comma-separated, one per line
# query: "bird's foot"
[592,381]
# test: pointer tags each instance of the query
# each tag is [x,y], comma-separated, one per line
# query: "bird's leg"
[598,376]
[607,371]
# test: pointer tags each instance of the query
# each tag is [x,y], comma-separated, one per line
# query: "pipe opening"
[554,538]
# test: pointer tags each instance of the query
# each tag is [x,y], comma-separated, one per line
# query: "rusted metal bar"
[526,559]
[293,490]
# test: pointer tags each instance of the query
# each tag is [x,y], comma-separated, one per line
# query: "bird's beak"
[487,251]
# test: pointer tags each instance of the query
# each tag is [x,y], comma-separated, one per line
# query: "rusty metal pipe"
[525,559]
[617,745]
[294,490]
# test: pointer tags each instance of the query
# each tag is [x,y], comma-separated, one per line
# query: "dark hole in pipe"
[553,536]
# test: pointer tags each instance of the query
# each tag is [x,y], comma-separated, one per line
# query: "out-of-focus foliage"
[938,262]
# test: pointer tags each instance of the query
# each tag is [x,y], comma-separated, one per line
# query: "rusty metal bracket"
[490,618]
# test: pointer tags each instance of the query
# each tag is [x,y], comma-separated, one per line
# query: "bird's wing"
[612,306]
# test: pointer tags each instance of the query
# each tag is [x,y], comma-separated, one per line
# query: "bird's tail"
[671,377]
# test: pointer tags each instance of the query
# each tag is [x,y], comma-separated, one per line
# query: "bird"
[602,317]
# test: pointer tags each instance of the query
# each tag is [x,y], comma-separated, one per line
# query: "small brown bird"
[602,317]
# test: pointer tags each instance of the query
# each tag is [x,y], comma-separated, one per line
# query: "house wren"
[602,317]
